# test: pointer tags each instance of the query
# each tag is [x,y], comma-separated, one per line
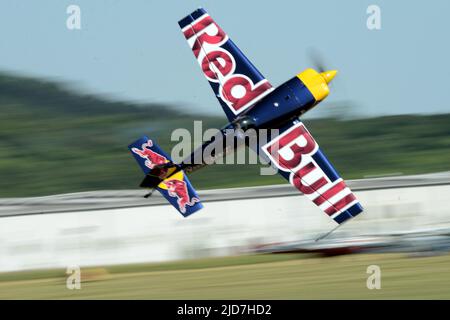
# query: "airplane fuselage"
[288,101]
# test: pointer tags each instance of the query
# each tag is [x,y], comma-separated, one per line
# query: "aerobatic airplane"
[251,102]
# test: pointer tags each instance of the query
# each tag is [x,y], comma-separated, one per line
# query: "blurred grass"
[245,277]
[57,140]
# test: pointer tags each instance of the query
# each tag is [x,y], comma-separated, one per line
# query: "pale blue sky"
[134,50]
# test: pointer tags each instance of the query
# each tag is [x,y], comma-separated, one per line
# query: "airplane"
[251,102]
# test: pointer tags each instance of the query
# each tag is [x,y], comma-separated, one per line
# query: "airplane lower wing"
[237,84]
[298,158]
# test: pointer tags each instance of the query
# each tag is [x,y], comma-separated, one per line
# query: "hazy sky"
[135,50]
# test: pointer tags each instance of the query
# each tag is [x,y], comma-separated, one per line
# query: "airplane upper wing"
[235,81]
[298,158]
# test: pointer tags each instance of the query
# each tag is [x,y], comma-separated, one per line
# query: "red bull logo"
[293,152]
[178,188]
[238,91]
[151,157]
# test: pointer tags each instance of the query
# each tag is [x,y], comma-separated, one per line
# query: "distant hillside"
[55,140]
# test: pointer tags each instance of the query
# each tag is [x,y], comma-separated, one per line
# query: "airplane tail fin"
[165,176]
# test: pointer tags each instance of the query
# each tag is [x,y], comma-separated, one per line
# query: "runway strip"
[101,200]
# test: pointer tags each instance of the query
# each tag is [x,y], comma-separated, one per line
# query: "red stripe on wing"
[334,190]
[340,204]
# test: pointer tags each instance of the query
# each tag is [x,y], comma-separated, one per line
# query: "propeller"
[317,59]
[338,107]
[318,63]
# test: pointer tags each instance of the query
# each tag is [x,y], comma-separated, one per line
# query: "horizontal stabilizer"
[148,154]
[177,189]
[162,174]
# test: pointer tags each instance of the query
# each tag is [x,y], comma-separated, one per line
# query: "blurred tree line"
[56,140]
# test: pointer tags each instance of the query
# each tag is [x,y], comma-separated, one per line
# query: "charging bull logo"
[151,157]
[178,188]
[293,152]
[238,91]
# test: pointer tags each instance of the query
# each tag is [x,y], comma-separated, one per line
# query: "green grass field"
[244,277]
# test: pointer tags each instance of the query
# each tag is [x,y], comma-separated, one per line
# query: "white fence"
[31,238]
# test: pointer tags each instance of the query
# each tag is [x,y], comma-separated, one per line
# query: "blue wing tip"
[198,206]
[351,212]
[139,141]
[191,17]
[185,21]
